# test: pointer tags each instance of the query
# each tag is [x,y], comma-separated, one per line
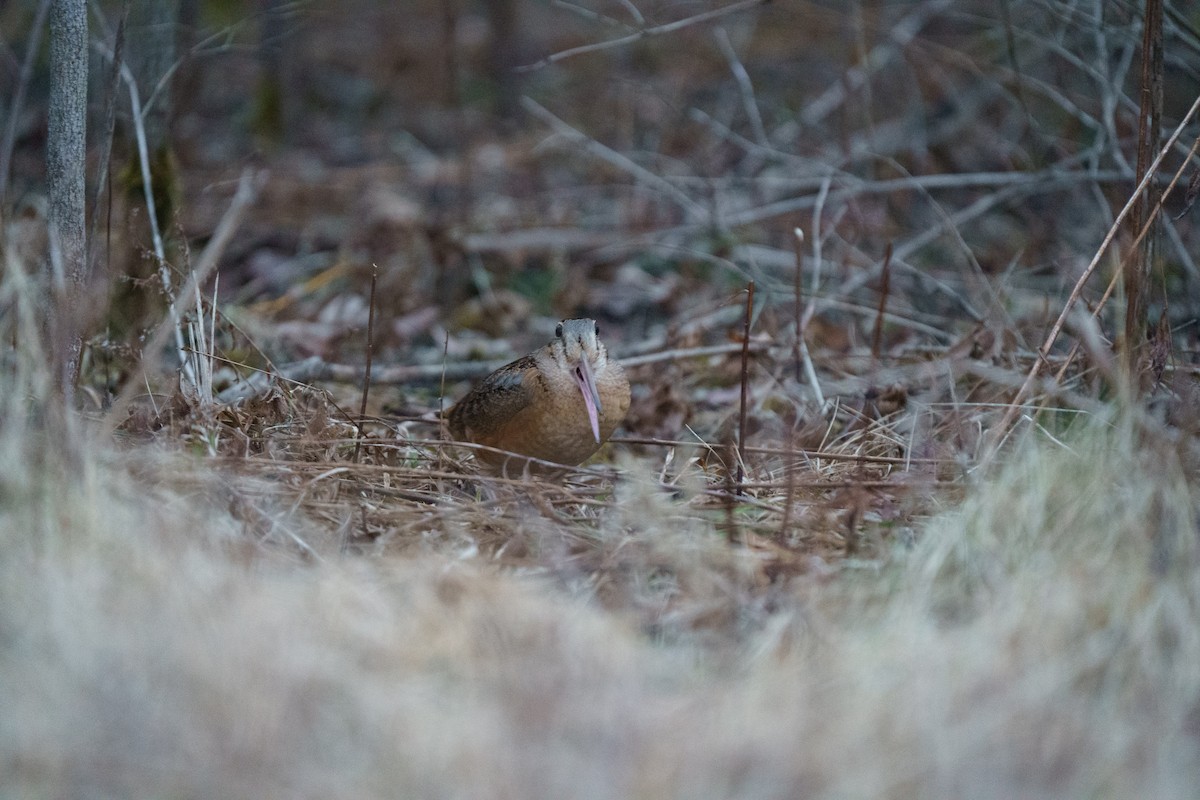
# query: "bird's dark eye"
[558,331]
[596,325]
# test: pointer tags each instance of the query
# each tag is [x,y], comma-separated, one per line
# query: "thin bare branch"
[745,85]
[18,98]
[745,384]
[366,383]
[645,33]
[998,433]
[247,190]
[694,210]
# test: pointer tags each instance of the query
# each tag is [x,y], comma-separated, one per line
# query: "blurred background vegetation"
[494,176]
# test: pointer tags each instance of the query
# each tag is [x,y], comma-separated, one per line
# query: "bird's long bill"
[591,395]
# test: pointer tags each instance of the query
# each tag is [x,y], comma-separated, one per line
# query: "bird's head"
[577,349]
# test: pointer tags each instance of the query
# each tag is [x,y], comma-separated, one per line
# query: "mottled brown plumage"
[559,403]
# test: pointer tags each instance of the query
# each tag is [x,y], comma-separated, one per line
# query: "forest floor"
[873,526]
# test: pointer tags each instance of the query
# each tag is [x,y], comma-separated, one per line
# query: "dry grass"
[174,625]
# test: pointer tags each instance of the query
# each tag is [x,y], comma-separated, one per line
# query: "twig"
[1112,284]
[164,272]
[248,185]
[315,368]
[800,346]
[789,477]
[745,86]
[1013,184]
[110,120]
[877,334]
[442,385]
[930,234]
[692,352]
[18,100]
[745,385]
[202,353]
[644,33]
[818,241]
[621,162]
[246,192]
[228,45]
[789,451]
[443,426]
[596,16]
[1010,46]
[811,310]
[860,52]
[1137,273]
[366,386]
[798,293]
[988,293]
[733,491]
[633,11]
[998,433]
[810,372]
[212,332]
[902,33]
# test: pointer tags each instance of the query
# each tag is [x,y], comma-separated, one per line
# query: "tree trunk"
[66,145]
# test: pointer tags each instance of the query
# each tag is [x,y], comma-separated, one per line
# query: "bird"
[560,403]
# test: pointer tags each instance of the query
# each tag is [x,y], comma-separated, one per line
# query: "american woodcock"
[559,403]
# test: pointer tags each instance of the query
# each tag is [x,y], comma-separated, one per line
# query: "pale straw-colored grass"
[1041,640]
